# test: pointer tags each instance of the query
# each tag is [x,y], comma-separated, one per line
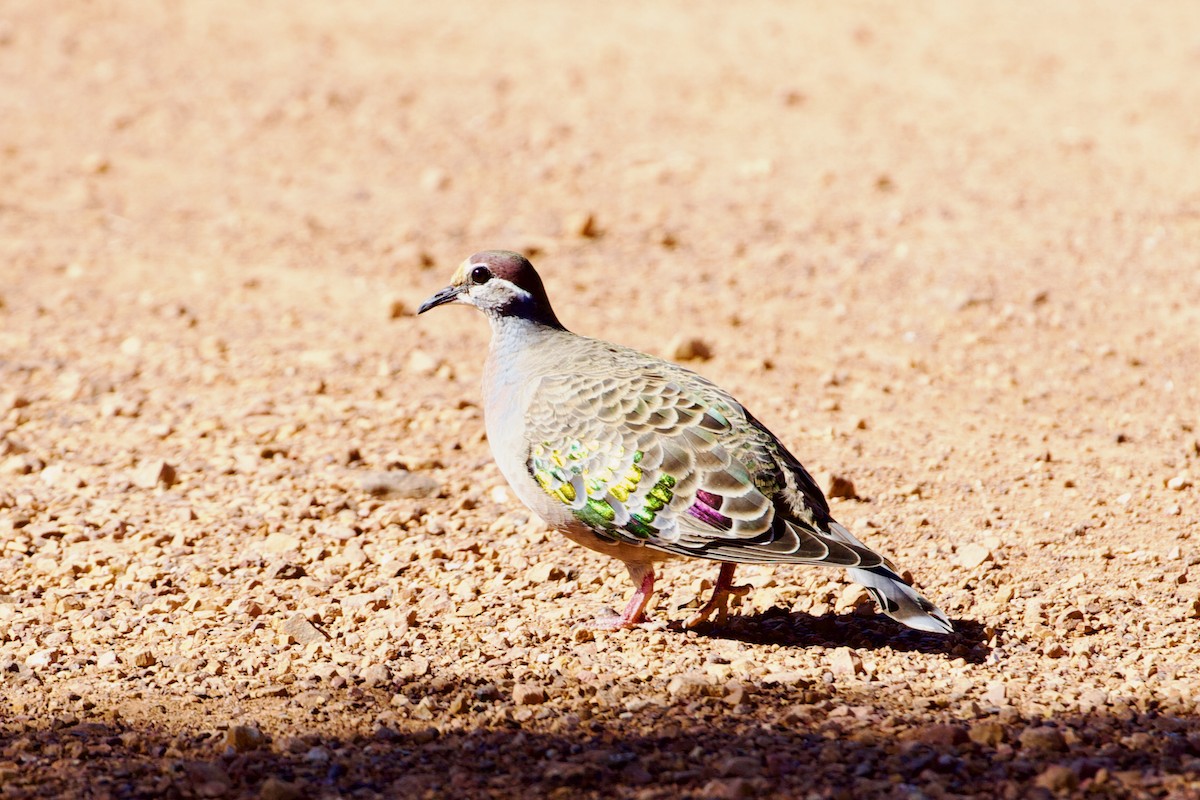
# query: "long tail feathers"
[896,598]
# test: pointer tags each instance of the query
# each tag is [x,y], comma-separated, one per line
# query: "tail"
[896,598]
[900,601]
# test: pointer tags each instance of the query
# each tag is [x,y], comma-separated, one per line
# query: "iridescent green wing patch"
[641,522]
[603,485]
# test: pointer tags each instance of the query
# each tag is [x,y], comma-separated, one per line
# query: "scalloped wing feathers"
[647,453]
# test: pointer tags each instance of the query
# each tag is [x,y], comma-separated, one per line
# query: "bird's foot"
[615,622]
[719,602]
[634,613]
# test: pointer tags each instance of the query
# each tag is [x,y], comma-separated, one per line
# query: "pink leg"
[635,612]
[719,602]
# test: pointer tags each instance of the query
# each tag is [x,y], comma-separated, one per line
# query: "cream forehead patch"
[460,274]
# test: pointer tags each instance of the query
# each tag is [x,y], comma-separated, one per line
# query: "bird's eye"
[481,274]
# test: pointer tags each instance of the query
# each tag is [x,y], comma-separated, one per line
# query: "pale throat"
[515,354]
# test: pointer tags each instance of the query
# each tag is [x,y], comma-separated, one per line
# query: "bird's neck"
[513,334]
[517,354]
[519,340]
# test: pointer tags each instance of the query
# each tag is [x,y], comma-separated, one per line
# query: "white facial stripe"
[497,293]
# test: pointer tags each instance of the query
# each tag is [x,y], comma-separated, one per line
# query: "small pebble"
[399,484]
[581,225]
[301,630]
[987,733]
[689,348]
[435,179]
[398,307]
[243,738]
[971,555]
[545,571]
[1179,482]
[837,487]
[1058,778]
[154,474]
[422,364]
[528,695]
[317,755]
[845,662]
[1043,738]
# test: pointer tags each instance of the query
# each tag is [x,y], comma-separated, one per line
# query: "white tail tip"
[900,601]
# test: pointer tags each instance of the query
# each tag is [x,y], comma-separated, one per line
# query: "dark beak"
[447,295]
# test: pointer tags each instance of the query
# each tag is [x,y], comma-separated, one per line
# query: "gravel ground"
[252,542]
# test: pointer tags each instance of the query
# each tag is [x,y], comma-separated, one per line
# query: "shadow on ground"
[700,749]
[779,626]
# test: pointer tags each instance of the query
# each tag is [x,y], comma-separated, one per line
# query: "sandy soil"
[252,543]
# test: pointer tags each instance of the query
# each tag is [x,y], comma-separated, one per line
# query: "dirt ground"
[252,541]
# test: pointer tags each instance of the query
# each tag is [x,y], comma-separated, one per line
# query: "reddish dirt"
[948,251]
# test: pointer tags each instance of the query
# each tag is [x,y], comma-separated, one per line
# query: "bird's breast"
[507,390]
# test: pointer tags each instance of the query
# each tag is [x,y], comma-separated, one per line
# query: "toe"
[609,620]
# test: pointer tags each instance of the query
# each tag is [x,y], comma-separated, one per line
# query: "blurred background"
[948,251]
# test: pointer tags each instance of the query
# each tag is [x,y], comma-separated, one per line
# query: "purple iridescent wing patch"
[707,509]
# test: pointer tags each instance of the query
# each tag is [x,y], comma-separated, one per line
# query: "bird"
[647,461]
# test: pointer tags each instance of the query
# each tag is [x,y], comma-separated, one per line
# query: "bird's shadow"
[785,628]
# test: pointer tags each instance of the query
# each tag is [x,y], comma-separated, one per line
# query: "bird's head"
[500,284]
